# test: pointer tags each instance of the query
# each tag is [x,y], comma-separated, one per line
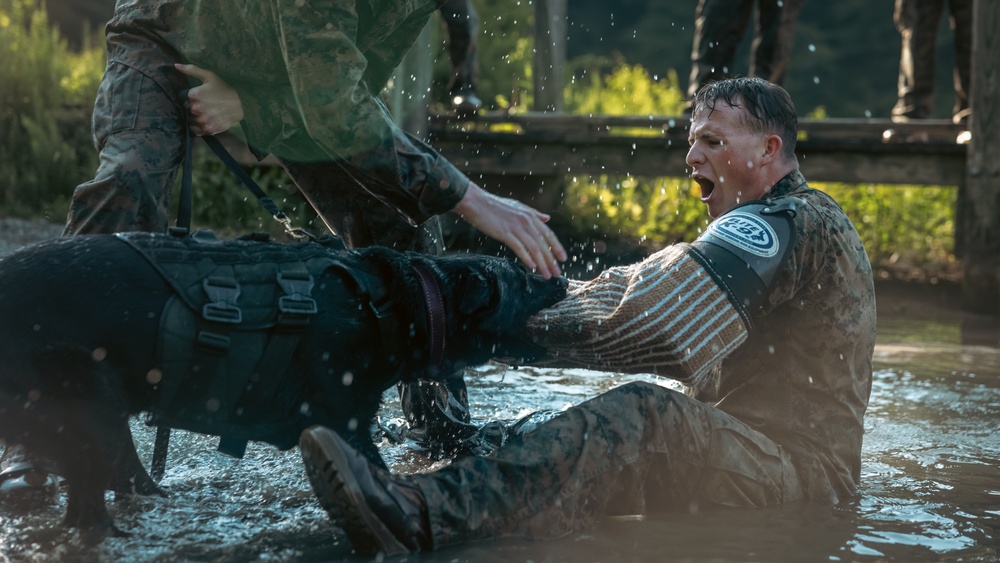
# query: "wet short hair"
[767,108]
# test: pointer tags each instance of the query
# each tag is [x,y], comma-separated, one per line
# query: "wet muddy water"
[930,487]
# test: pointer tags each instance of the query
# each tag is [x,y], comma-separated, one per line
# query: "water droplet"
[154,376]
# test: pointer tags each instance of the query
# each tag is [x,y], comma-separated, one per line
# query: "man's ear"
[772,149]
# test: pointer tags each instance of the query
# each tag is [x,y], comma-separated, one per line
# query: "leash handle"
[187,193]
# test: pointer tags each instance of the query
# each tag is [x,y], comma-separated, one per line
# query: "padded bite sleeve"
[665,315]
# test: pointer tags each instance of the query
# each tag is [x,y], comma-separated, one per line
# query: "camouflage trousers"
[462,22]
[719,29]
[638,448]
[138,128]
[917,22]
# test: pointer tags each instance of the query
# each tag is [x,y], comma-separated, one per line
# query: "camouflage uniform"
[779,419]
[308,78]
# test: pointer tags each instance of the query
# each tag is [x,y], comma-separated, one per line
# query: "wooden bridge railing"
[833,150]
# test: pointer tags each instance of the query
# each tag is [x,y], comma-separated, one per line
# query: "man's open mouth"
[707,186]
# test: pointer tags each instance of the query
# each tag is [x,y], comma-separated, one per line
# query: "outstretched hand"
[517,225]
[215,106]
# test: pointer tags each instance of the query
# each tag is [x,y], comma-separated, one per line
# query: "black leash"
[187,193]
[184,211]
[267,202]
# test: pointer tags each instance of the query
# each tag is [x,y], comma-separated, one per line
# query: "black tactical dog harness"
[229,332]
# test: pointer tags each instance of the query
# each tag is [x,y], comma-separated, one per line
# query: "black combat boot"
[380,512]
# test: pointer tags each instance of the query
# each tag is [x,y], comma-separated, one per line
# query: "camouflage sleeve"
[664,315]
[330,113]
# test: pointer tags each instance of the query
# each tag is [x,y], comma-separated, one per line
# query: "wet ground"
[930,486]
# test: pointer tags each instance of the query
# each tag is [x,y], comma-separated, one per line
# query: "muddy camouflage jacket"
[308,74]
[801,376]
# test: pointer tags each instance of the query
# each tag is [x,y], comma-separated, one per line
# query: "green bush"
[45,145]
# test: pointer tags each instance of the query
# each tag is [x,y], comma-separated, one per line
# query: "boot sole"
[340,495]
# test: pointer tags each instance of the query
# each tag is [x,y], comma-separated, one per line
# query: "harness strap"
[435,312]
[371,289]
[295,309]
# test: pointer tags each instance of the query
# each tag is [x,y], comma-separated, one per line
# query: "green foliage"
[912,225]
[44,145]
[656,211]
[625,90]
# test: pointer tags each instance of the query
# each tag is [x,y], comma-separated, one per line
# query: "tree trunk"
[981,230]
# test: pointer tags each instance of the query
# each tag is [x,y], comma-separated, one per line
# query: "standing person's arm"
[337,110]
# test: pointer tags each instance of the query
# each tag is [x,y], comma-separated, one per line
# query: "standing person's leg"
[462,22]
[637,448]
[961,28]
[437,413]
[771,49]
[138,130]
[719,26]
[917,22]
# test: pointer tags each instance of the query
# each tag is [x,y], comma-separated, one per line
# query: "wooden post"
[550,54]
[981,209]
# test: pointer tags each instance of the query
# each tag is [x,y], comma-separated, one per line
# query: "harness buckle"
[222,293]
[297,299]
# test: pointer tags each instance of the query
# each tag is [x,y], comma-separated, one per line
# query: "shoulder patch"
[747,232]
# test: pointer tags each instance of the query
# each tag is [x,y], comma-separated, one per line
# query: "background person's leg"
[771,49]
[462,23]
[917,22]
[961,28]
[719,27]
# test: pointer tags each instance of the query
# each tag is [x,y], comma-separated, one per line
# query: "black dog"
[247,340]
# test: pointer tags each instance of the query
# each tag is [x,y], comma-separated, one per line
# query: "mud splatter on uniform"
[778,419]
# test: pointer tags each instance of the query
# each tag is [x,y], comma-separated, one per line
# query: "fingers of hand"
[547,256]
[195,71]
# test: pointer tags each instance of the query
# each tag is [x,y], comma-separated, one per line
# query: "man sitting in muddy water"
[768,319]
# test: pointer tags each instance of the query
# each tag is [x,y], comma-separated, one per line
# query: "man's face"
[725,158]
